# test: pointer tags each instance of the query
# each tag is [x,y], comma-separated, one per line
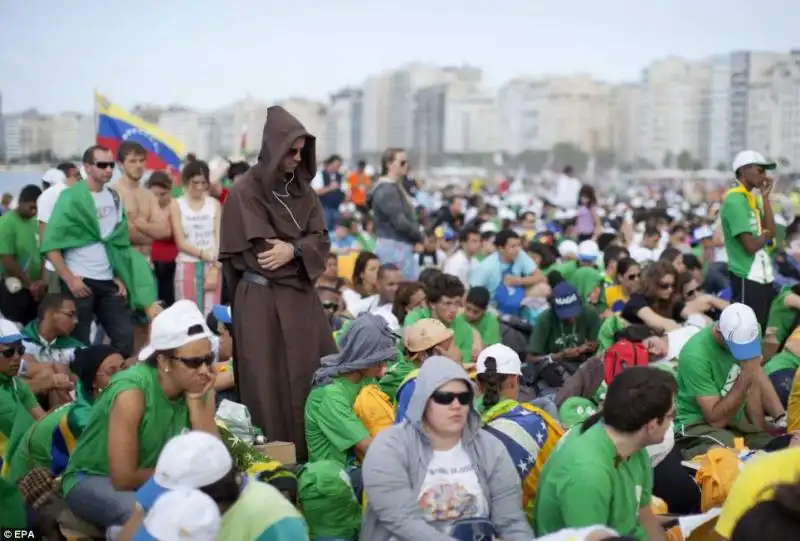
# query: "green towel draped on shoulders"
[73,224]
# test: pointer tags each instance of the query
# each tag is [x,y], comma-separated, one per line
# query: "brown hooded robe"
[280,330]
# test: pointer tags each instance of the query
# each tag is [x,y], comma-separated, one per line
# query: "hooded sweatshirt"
[397,464]
[393,212]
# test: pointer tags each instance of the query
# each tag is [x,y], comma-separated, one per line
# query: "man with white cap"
[719,377]
[748,228]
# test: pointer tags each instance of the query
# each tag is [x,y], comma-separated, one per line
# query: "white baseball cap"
[181,515]
[751,157]
[171,328]
[192,460]
[588,250]
[739,328]
[567,248]
[54,176]
[488,227]
[9,332]
[506,359]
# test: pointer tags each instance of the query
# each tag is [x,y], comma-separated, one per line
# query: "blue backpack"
[508,299]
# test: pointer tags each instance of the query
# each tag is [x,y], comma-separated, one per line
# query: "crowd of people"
[454,366]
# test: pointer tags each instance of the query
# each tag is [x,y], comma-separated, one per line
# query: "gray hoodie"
[397,462]
[394,216]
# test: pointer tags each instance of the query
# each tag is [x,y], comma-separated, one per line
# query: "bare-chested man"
[146,220]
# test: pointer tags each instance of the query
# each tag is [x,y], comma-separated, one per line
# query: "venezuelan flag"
[116,125]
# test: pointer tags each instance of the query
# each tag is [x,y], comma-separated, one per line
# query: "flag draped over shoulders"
[74,225]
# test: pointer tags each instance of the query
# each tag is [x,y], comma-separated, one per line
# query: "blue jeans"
[782,381]
[95,500]
[111,311]
[331,216]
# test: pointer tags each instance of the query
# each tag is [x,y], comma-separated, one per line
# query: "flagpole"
[94,113]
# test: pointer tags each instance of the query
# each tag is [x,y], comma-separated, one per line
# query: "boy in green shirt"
[748,229]
[719,375]
[21,265]
[602,474]
[477,314]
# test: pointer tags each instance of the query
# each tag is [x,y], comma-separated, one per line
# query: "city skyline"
[250,49]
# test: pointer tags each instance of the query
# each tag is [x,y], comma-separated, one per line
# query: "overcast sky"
[209,53]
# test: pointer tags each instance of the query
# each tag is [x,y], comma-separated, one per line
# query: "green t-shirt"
[20,238]
[36,448]
[328,501]
[551,335]
[704,369]
[162,419]
[16,402]
[394,377]
[488,328]
[332,428]
[737,218]
[462,330]
[566,268]
[785,360]
[582,485]
[781,318]
[261,513]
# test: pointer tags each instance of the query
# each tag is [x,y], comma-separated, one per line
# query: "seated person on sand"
[18,406]
[528,433]
[169,391]
[567,332]
[601,473]
[49,350]
[477,314]
[424,339]
[784,316]
[333,430]
[656,303]
[51,440]
[783,366]
[719,380]
[220,323]
[445,294]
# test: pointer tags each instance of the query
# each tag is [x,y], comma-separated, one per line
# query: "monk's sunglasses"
[445,398]
[104,165]
[13,349]
[330,305]
[196,362]
[295,152]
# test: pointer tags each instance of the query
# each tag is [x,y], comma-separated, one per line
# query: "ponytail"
[491,383]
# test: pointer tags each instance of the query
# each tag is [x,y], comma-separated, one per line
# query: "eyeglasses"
[634,276]
[13,350]
[196,362]
[104,165]
[445,398]
[668,286]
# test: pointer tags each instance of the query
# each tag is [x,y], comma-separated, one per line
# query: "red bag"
[624,354]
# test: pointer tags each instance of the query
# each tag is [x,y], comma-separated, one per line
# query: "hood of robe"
[281,130]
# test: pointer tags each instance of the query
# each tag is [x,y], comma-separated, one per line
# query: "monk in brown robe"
[273,246]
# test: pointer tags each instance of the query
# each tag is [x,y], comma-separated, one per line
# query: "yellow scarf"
[752,202]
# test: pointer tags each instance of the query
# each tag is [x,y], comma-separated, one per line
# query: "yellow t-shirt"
[752,485]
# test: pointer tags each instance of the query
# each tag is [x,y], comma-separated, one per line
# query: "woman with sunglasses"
[195,220]
[655,302]
[51,440]
[437,472]
[697,301]
[396,226]
[170,391]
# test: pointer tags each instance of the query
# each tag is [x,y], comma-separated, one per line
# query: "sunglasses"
[445,398]
[633,276]
[295,152]
[197,362]
[691,293]
[104,165]
[330,305]
[13,350]
[668,286]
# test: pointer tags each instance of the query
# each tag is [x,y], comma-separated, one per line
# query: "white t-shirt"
[370,304]
[198,227]
[91,261]
[460,266]
[451,489]
[44,209]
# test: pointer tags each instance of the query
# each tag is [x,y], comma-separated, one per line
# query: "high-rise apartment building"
[72,133]
[344,123]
